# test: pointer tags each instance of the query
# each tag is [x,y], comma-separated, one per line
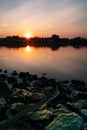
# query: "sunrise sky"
[67,18]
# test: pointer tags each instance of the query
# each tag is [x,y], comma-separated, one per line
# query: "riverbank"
[68,110]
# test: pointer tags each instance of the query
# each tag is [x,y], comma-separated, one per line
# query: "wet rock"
[52,82]
[61,109]
[26,96]
[30,88]
[25,93]
[3,104]
[35,84]
[34,77]
[15,96]
[44,74]
[48,88]
[3,77]
[44,81]
[22,85]
[17,106]
[15,92]
[83,112]
[24,76]
[78,82]
[0,70]
[65,112]
[16,99]
[79,95]
[69,121]
[38,96]
[65,82]
[20,125]
[8,113]
[60,99]
[5,71]
[71,87]
[81,104]
[79,107]
[4,90]
[41,115]
[14,73]
[12,80]
[62,88]
[84,126]
[3,107]
[69,97]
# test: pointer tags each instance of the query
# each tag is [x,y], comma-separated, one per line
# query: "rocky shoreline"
[67,111]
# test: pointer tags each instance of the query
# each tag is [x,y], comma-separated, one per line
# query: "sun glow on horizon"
[28,35]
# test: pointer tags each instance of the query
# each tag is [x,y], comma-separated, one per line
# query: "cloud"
[6,25]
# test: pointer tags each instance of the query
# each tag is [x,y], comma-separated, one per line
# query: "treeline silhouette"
[13,41]
[54,42]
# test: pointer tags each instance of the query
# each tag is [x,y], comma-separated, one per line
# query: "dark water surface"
[64,63]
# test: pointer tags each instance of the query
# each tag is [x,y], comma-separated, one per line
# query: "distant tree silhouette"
[54,42]
[54,36]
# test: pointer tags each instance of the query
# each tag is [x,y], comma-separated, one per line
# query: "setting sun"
[27,35]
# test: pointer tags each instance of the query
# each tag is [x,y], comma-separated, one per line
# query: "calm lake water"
[64,63]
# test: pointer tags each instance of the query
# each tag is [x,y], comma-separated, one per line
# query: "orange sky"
[66,18]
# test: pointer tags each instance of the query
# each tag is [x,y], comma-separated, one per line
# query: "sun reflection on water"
[28,48]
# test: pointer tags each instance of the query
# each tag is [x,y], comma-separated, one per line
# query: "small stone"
[5,71]
[14,73]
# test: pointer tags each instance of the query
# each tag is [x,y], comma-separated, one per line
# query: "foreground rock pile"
[68,111]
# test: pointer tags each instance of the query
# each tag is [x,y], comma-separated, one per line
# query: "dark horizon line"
[10,36]
[53,42]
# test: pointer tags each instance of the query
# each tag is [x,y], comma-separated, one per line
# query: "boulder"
[69,121]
